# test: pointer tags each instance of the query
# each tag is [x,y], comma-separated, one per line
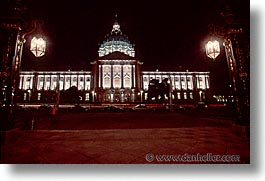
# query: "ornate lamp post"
[230,37]
[212,49]
[37,47]
[11,63]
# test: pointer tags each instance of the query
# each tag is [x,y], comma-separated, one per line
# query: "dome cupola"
[116,41]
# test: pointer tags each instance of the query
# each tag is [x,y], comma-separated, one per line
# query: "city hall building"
[116,77]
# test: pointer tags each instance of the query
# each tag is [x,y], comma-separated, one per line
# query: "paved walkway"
[122,145]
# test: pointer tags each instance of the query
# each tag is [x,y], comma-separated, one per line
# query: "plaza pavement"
[98,146]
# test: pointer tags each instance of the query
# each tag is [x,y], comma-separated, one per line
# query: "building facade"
[116,77]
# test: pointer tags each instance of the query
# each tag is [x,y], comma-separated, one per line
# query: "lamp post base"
[54,110]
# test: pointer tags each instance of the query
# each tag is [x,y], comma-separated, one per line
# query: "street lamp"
[13,48]
[231,37]
[212,49]
[38,46]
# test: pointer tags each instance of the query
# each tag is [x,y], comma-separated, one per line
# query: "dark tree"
[71,95]
[153,89]
[164,89]
[157,89]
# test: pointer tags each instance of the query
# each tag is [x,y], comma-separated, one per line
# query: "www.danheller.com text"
[209,157]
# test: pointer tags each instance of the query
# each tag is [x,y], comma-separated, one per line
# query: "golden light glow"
[38,46]
[212,49]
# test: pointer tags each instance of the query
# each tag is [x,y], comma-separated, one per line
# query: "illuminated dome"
[116,41]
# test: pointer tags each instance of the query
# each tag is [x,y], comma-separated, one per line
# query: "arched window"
[106,82]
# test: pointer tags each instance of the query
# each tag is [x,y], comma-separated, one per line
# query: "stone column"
[101,78]
[64,82]
[35,81]
[22,82]
[50,82]
[132,77]
[70,80]
[111,75]
[77,81]
[44,81]
[122,77]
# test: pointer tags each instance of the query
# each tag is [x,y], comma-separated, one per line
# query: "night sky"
[165,33]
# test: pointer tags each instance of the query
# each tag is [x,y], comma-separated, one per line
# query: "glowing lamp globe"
[38,46]
[212,49]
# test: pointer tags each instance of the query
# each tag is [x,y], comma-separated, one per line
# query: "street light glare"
[38,46]
[212,49]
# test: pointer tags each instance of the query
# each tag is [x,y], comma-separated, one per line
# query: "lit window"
[61,83]
[183,83]
[39,96]
[117,82]
[207,83]
[40,83]
[87,83]
[106,82]
[117,76]
[127,70]
[189,82]
[28,83]
[106,76]
[185,95]
[201,83]
[127,82]
[47,84]
[145,83]
[191,95]
[177,83]
[25,96]
[145,96]
[87,97]
[179,96]
[67,83]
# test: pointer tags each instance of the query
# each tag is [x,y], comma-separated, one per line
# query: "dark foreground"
[125,138]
